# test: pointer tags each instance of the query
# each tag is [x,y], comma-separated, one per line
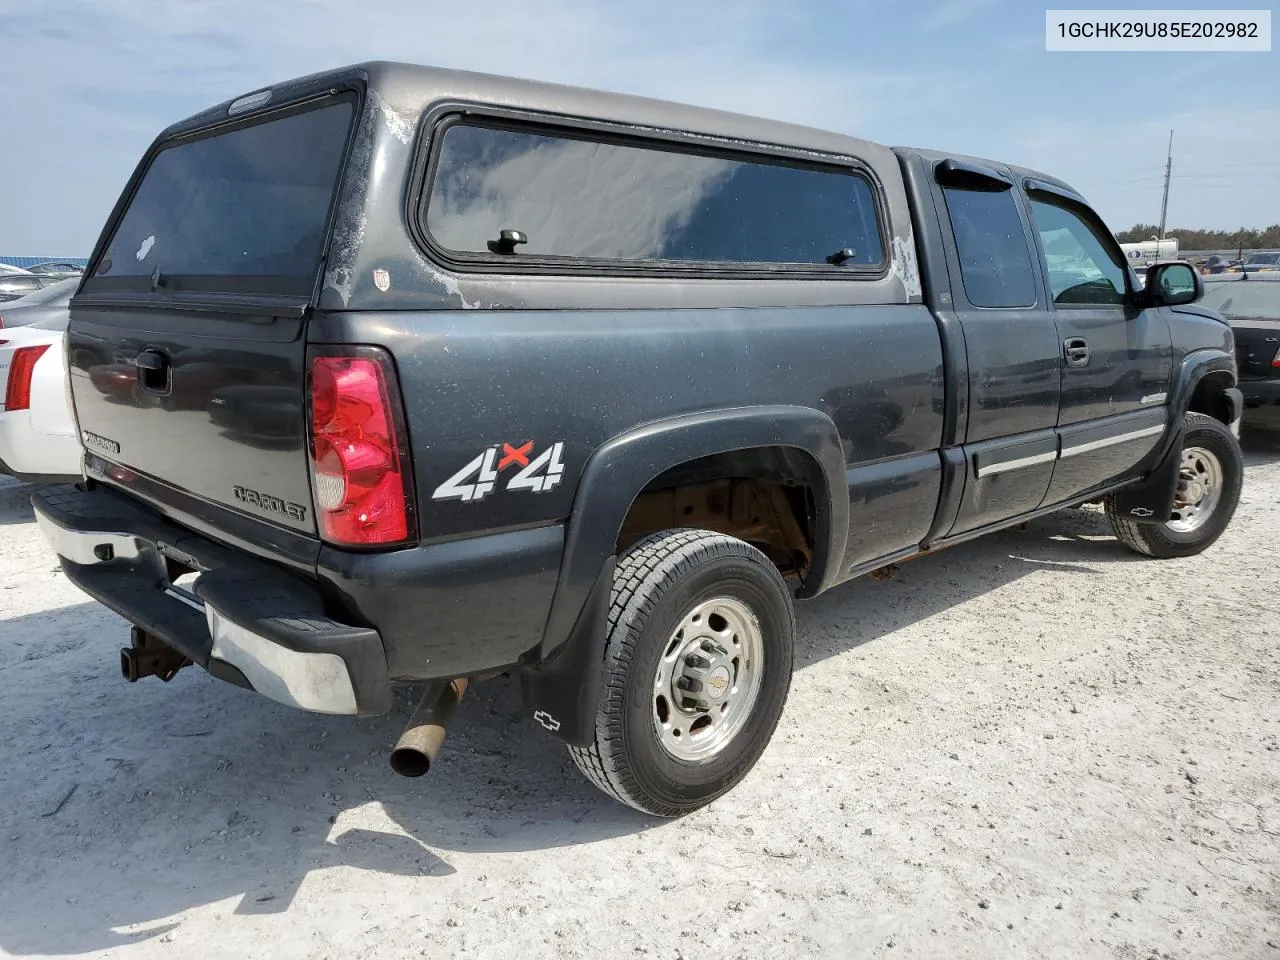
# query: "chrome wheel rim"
[708,679]
[1199,490]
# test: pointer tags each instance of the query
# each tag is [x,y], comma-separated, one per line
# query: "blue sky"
[88,83]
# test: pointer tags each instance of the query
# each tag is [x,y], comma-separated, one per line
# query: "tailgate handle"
[153,370]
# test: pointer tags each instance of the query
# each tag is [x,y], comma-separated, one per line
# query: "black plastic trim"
[202,302]
[971,176]
[1072,501]
[1032,185]
[562,693]
[1195,367]
[621,468]
[955,474]
[458,608]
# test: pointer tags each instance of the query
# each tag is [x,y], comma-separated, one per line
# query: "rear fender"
[562,688]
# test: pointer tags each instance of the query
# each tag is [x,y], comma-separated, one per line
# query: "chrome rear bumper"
[240,619]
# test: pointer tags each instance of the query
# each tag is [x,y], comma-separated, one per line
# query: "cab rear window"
[245,210]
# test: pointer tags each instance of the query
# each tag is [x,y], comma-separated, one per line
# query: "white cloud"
[88,83]
[118,71]
[949,13]
[1226,163]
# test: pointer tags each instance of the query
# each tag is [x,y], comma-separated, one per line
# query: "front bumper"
[242,620]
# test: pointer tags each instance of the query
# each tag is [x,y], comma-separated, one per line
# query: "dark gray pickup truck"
[394,374]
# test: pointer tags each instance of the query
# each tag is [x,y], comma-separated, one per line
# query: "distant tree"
[1189,239]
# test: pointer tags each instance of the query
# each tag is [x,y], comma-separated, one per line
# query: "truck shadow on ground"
[1260,446]
[15,502]
[121,807]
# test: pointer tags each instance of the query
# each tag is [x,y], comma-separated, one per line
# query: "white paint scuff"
[904,265]
[398,126]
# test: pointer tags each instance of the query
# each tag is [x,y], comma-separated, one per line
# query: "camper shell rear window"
[240,209]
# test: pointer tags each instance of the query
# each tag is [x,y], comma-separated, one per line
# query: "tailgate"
[212,404]
[187,342]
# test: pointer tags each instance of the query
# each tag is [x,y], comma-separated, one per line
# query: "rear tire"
[701,638]
[1209,481]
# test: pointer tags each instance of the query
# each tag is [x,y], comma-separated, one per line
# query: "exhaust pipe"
[416,750]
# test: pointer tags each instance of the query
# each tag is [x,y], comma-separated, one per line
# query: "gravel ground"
[1033,745]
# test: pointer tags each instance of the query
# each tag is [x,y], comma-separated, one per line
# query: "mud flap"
[563,694]
[1151,500]
[1235,409]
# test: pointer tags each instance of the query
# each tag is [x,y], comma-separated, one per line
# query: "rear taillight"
[17,395]
[1275,361]
[359,455]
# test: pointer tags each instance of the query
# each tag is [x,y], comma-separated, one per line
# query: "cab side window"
[995,262]
[1080,267]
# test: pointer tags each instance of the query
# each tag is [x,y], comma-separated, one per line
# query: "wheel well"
[766,496]
[1208,397]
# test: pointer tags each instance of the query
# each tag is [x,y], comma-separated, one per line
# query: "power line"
[1226,176]
[1152,179]
[1114,170]
[1157,174]
[1220,166]
[1187,187]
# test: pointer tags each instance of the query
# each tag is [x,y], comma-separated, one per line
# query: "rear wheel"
[697,670]
[1210,475]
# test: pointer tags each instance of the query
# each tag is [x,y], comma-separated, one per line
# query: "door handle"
[1076,351]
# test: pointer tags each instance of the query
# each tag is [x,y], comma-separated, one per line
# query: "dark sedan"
[1265,262]
[44,302]
[1251,304]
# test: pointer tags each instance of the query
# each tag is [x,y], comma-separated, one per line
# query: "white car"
[38,439]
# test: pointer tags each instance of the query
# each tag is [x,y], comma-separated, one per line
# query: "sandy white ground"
[1034,745]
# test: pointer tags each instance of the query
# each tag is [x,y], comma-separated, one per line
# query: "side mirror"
[1172,285]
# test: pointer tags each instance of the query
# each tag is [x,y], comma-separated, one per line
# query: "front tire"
[1209,480]
[697,669]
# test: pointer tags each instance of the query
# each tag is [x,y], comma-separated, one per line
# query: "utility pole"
[1164,204]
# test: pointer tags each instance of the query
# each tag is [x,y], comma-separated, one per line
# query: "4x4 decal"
[480,476]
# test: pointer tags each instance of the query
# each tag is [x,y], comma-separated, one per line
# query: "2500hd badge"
[102,443]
